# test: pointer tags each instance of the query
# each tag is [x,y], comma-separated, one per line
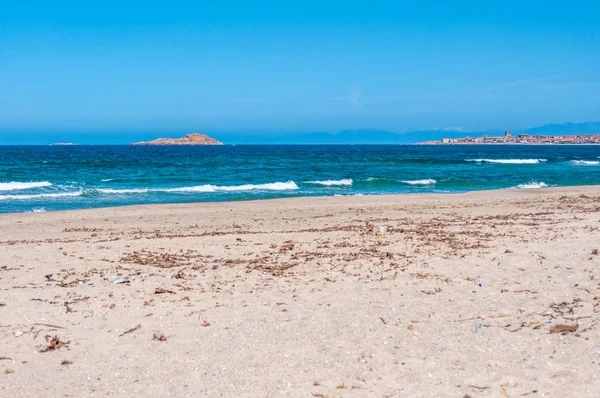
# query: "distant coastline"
[522,139]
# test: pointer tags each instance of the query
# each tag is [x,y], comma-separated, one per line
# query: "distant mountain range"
[566,129]
[345,137]
[369,136]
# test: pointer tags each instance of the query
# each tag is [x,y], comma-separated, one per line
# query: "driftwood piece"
[562,328]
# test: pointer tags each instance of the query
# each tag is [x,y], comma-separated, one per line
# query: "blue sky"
[276,67]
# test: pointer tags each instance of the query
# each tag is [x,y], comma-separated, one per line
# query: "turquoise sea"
[42,178]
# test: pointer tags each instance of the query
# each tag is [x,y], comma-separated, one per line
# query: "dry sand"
[299,297]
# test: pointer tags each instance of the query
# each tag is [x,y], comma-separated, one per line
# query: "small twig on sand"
[479,388]
[577,318]
[161,290]
[530,392]
[50,325]
[133,329]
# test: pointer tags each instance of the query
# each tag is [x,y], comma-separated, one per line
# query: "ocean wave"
[275,186]
[349,194]
[330,183]
[38,210]
[122,191]
[531,185]
[17,186]
[376,180]
[419,182]
[508,161]
[107,179]
[197,188]
[41,196]
[585,162]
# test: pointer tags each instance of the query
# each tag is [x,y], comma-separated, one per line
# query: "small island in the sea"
[190,139]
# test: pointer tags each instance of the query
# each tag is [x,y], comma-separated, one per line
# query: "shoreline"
[309,200]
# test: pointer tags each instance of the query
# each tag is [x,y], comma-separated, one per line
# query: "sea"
[51,178]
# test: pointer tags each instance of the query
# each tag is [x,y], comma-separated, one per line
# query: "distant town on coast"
[521,139]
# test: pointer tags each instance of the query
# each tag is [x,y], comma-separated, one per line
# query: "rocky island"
[190,139]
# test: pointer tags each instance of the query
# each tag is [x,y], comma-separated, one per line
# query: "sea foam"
[331,183]
[508,161]
[197,188]
[585,162]
[419,182]
[531,185]
[17,186]
[275,186]
[41,196]
[122,191]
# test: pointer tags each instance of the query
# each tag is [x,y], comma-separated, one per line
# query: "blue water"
[39,178]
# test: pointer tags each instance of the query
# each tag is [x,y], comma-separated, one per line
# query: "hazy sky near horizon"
[295,66]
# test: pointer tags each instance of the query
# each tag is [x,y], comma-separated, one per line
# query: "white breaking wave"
[122,191]
[508,161]
[349,194]
[531,185]
[41,196]
[17,186]
[275,186]
[585,162]
[198,188]
[419,182]
[38,210]
[107,180]
[330,183]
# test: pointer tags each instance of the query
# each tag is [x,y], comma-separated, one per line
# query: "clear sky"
[137,67]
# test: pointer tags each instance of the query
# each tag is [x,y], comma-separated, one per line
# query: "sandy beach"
[492,293]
